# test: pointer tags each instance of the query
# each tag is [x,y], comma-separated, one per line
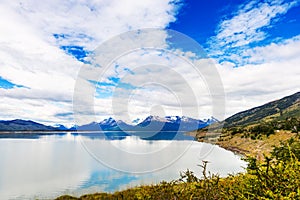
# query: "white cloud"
[255,75]
[31,109]
[247,25]
[276,75]
[89,22]
[30,54]
[287,50]
[163,79]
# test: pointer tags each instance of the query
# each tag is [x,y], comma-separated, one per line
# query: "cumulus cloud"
[286,50]
[31,53]
[275,75]
[87,23]
[247,26]
[253,70]
[142,79]
[132,85]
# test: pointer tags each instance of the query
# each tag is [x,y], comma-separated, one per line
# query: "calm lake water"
[46,166]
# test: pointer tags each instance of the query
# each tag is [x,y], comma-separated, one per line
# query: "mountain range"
[151,123]
[287,107]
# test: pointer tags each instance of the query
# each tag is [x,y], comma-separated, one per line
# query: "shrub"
[264,129]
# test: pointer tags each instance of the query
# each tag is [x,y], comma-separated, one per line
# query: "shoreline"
[235,150]
[235,144]
[208,137]
[245,146]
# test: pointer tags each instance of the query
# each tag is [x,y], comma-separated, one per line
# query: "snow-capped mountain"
[172,123]
[150,119]
[150,123]
[108,122]
[171,119]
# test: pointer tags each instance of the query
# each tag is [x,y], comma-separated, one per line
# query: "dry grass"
[256,148]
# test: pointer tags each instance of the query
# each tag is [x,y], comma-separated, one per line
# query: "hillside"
[256,130]
[276,110]
[24,125]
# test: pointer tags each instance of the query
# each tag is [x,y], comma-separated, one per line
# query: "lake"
[45,166]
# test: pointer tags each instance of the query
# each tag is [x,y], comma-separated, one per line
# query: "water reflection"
[47,165]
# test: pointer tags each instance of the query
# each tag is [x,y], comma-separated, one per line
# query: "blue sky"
[254,46]
[200,20]
[203,22]
[5,84]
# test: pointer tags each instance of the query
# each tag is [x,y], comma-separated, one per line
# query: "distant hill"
[24,125]
[276,110]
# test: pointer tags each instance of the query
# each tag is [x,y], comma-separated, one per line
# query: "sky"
[45,46]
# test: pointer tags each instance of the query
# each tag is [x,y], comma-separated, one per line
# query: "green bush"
[236,130]
[265,129]
[278,176]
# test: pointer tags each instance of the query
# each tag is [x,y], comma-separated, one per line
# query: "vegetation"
[276,177]
[278,110]
[258,130]
[254,140]
[282,114]
[254,131]
[267,135]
